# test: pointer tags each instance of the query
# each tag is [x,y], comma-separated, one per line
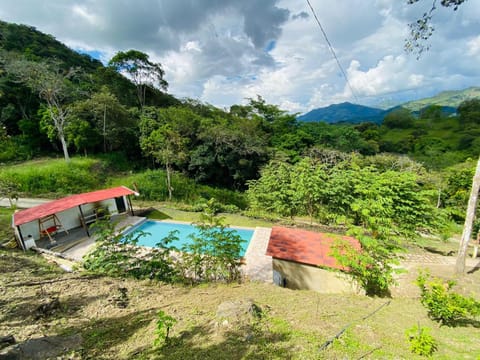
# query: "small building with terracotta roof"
[68,213]
[303,260]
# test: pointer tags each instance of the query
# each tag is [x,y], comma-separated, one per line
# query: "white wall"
[70,219]
[88,209]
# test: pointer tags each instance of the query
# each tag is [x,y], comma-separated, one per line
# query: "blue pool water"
[158,230]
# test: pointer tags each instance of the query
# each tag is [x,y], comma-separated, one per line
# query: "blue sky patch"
[93,53]
[270,46]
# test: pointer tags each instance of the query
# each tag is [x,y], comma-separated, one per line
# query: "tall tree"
[53,85]
[165,143]
[141,70]
[105,116]
[420,32]
[469,218]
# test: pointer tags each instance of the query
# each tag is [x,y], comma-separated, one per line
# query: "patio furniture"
[49,231]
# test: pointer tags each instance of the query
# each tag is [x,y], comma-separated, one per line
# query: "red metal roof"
[306,247]
[56,206]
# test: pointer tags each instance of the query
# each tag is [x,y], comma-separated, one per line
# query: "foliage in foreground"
[373,266]
[421,342]
[443,305]
[117,255]
[214,254]
[164,324]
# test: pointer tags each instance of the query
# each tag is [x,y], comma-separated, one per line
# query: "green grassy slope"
[445,98]
[293,324]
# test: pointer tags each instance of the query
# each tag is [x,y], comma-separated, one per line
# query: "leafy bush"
[117,255]
[421,342]
[443,305]
[380,201]
[214,254]
[371,267]
[164,324]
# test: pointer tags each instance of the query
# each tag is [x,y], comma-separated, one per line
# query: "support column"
[82,220]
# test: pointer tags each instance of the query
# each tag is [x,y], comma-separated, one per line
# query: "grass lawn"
[164,211]
[6,231]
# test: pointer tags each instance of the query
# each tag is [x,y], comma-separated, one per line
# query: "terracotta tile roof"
[56,206]
[306,247]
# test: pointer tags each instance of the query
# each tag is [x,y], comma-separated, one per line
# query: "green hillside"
[446,98]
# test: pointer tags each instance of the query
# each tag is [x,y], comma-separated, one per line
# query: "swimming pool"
[158,230]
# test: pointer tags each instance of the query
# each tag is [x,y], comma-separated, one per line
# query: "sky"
[223,52]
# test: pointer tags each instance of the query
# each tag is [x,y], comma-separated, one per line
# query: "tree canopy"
[141,70]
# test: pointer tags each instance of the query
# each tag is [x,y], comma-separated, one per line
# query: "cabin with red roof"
[302,260]
[71,212]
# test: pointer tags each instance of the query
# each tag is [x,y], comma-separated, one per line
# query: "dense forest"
[56,101]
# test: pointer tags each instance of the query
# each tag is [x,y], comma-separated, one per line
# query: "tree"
[141,70]
[101,115]
[309,183]
[53,85]
[420,32]
[273,192]
[422,29]
[469,112]
[214,253]
[469,218]
[162,141]
[399,119]
[228,152]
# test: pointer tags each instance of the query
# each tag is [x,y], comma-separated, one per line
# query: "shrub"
[117,255]
[443,305]
[214,254]
[421,342]
[372,266]
[164,324]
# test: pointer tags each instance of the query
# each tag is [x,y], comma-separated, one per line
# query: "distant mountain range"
[344,112]
[353,113]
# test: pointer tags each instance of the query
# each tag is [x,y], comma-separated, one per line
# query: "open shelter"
[79,210]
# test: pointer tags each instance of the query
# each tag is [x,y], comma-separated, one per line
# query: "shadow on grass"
[20,261]
[474,269]
[202,342]
[438,252]
[467,322]
[25,310]
[101,335]
[152,213]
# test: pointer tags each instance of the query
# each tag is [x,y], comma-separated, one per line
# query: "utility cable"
[332,51]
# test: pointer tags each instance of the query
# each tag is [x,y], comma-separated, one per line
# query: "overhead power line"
[333,51]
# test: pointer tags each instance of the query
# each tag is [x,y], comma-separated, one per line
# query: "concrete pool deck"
[83,245]
[258,266]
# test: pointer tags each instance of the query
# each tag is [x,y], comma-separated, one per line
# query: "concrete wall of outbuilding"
[298,276]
